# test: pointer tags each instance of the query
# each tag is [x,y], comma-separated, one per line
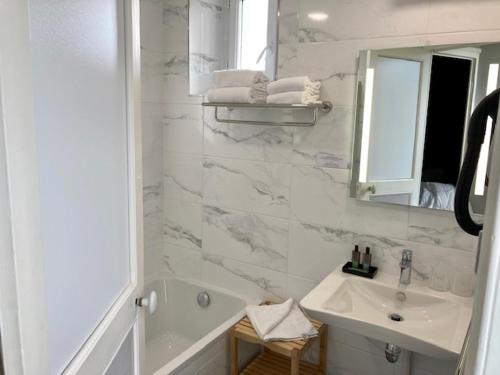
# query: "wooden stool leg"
[323,347]
[233,344]
[295,362]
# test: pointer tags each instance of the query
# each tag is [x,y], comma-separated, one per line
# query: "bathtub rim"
[211,336]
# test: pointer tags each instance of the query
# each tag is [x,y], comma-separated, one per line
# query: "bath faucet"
[405,265]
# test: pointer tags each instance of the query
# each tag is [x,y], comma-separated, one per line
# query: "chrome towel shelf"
[324,107]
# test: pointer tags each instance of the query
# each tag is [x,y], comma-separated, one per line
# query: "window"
[255,35]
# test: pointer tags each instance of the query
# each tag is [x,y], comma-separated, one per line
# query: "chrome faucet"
[405,265]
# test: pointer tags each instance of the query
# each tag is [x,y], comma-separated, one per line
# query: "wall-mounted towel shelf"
[324,107]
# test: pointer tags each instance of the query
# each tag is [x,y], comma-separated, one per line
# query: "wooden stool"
[277,357]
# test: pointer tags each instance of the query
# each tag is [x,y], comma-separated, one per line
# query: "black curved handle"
[488,107]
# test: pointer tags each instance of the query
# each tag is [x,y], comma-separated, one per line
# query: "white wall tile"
[329,143]
[243,278]
[362,19]
[438,228]
[175,15]
[262,143]
[182,178]
[313,255]
[298,287]
[181,262]
[288,21]
[182,224]
[255,239]
[249,186]
[320,195]
[432,365]
[182,131]
[463,15]
[347,360]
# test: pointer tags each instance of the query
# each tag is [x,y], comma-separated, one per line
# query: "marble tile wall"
[265,210]
[153,44]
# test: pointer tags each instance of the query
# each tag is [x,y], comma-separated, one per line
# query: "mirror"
[231,34]
[412,109]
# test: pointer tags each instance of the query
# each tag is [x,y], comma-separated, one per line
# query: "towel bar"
[324,107]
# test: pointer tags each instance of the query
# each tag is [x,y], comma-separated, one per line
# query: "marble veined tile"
[320,195]
[249,238]
[182,224]
[361,19]
[288,61]
[438,228]
[153,222]
[316,250]
[152,145]
[243,278]
[328,144]
[263,143]
[250,186]
[181,261]
[182,129]
[288,21]
[299,287]
[464,15]
[175,25]
[183,177]
[424,257]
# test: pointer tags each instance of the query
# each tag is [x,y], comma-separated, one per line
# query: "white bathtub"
[184,338]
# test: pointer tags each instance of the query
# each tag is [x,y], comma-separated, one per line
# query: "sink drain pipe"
[392,352]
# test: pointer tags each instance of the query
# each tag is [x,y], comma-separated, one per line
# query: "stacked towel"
[239,78]
[237,95]
[294,90]
[284,322]
[239,86]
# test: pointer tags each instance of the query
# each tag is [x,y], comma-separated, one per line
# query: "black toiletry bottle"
[355,257]
[367,260]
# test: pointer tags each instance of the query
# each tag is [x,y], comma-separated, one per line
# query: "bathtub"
[184,338]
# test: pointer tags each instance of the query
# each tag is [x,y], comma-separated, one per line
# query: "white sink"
[433,324]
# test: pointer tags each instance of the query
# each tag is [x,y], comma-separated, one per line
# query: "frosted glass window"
[253,39]
[394,119]
[80,114]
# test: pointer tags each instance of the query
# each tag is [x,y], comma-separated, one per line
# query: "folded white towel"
[294,97]
[237,95]
[239,78]
[284,322]
[302,83]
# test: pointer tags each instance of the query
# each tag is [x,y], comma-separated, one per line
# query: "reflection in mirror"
[230,34]
[413,105]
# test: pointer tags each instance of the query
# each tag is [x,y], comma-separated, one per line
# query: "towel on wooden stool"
[280,322]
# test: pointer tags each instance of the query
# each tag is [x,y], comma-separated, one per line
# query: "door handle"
[151,302]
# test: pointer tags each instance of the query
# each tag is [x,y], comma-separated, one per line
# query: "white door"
[70,187]
[397,86]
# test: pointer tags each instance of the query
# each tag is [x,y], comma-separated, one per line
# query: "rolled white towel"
[302,83]
[237,95]
[284,321]
[294,97]
[239,78]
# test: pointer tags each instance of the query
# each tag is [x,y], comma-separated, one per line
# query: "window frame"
[272,36]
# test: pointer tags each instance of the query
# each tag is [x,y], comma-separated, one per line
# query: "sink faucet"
[405,276]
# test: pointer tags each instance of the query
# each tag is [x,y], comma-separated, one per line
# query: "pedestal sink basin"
[415,317]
